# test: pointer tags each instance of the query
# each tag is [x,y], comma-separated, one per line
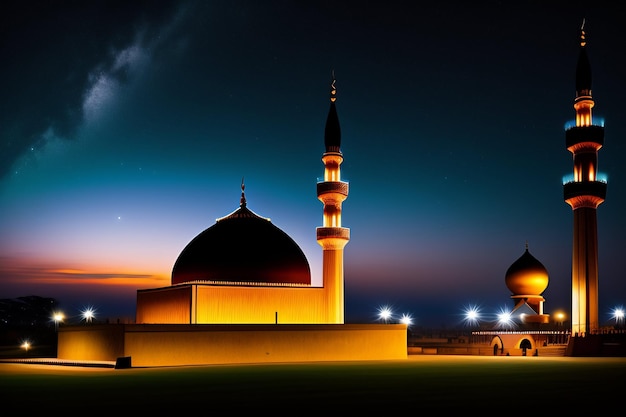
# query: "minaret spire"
[332,133]
[584,101]
[584,192]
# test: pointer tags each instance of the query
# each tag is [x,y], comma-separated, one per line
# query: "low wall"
[181,344]
[483,350]
[604,344]
[97,342]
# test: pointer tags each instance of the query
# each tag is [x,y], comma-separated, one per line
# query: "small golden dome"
[527,276]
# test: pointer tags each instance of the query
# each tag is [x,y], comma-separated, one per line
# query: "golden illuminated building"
[527,279]
[245,270]
[584,193]
[241,293]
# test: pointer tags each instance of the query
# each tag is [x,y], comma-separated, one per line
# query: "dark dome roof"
[527,276]
[242,248]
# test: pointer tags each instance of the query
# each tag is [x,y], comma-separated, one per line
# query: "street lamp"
[384,313]
[88,314]
[25,345]
[57,317]
[618,316]
[559,318]
[505,318]
[560,326]
[472,315]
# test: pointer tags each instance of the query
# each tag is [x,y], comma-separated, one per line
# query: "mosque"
[241,289]
[245,270]
[583,191]
[241,293]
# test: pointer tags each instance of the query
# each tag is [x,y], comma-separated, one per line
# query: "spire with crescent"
[332,133]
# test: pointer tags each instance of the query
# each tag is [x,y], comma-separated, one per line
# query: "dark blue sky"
[127,127]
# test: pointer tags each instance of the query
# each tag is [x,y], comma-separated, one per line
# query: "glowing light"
[406,319]
[568,178]
[600,177]
[88,314]
[618,314]
[597,121]
[25,345]
[57,317]
[505,318]
[560,317]
[472,315]
[384,313]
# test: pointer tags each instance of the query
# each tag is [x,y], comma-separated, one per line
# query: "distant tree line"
[31,311]
[27,319]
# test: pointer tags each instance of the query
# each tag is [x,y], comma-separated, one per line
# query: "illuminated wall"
[220,304]
[178,345]
[164,305]
[91,342]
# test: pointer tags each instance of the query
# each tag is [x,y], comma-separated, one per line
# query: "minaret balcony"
[333,238]
[584,134]
[332,187]
[574,189]
[333,233]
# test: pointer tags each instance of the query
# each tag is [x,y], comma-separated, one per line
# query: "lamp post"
[472,317]
[560,320]
[384,313]
[618,316]
[88,314]
[505,319]
[57,317]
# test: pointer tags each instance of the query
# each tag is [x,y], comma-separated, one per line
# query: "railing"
[600,177]
[597,121]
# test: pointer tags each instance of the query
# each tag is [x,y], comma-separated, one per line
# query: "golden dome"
[527,276]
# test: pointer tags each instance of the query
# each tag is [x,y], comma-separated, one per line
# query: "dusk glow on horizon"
[127,128]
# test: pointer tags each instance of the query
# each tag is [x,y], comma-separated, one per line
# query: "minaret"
[584,193]
[332,192]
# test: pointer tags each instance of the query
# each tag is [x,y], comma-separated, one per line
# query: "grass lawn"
[444,384]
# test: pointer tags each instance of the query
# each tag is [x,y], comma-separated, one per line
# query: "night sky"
[127,127]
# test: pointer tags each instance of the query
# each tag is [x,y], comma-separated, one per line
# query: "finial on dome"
[242,202]
[333,89]
[526,246]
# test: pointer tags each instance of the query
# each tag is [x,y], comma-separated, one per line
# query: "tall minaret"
[331,236]
[584,193]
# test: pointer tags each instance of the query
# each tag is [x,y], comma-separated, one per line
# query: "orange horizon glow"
[18,270]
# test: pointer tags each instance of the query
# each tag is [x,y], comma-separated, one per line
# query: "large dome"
[527,276]
[242,248]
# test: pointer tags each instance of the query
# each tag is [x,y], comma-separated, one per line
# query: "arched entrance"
[525,344]
[498,345]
